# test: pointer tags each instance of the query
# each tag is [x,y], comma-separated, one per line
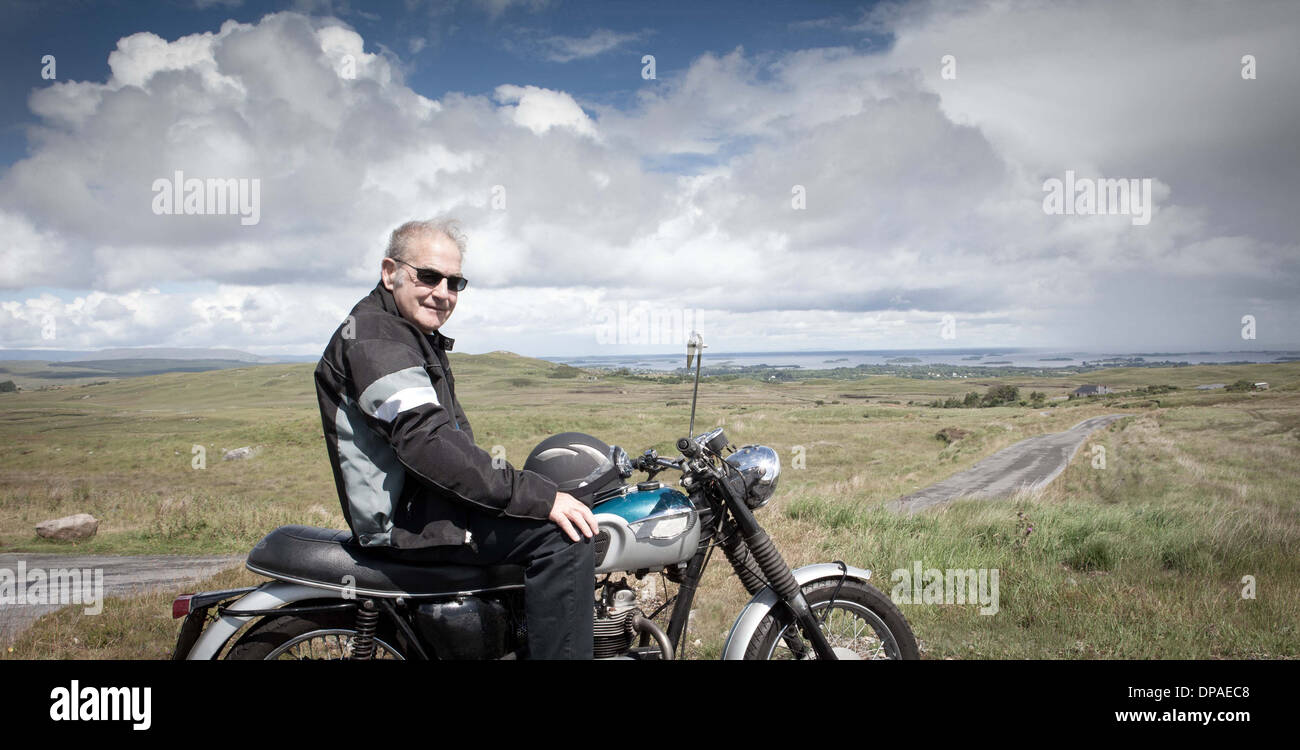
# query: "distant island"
[154,353]
[902,360]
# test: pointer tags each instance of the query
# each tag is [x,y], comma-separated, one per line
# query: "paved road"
[1030,464]
[123,575]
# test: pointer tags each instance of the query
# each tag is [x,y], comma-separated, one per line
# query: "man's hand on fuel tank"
[569,512]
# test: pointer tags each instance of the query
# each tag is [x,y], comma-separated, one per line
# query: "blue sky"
[443,46]
[819,175]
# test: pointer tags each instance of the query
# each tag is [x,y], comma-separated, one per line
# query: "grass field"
[1141,559]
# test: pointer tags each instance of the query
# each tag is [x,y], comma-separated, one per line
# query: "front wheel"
[862,623]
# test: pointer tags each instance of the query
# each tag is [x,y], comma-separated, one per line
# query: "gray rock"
[238,453]
[69,528]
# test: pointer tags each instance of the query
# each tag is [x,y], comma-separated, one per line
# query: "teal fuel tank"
[645,528]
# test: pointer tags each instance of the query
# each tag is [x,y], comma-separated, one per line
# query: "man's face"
[427,307]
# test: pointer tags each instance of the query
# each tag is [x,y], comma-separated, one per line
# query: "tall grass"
[1144,558]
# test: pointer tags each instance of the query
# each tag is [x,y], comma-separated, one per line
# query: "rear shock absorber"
[363,643]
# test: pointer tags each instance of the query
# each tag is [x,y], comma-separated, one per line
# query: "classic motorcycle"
[330,598]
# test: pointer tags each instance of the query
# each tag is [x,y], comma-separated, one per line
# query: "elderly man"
[410,479]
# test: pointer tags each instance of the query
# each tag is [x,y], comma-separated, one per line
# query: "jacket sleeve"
[461,419]
[394,387]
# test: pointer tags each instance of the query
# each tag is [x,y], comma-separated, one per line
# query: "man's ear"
[386,271]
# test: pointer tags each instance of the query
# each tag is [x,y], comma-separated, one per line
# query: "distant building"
[1261,386]
[1091,390]
[1210,387]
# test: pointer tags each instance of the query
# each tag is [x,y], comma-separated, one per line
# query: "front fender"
[763,602]
[268,596]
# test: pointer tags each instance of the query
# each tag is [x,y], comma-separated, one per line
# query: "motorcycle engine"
[614,631]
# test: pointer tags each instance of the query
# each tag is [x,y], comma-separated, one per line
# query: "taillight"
[181,606]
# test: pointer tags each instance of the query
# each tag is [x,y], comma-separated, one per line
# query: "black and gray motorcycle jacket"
[405,464]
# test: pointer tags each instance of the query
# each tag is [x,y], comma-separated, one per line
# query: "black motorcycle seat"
[322,557]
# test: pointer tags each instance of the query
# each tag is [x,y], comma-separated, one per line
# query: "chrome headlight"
[761,467]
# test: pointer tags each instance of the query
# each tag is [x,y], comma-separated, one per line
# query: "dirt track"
[1029,464]
[122,576]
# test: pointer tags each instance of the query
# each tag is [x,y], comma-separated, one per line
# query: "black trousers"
[559,578]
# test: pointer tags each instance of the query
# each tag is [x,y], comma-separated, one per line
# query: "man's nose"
[443,290]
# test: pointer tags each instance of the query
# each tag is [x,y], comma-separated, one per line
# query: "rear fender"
[267,596]
[198,605]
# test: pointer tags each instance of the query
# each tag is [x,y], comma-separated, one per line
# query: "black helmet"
[579,464]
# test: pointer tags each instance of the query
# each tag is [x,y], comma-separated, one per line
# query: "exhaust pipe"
[644,625]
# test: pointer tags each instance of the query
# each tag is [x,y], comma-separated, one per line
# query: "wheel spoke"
[848,625]
[327,644]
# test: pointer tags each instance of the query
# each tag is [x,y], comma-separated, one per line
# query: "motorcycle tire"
[324,635]
[886,635]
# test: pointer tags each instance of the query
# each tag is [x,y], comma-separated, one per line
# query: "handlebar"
[646,463]
[687,447]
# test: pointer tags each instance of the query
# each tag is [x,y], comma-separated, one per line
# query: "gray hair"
[399,242]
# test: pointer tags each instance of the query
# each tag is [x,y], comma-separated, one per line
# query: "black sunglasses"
[434,278]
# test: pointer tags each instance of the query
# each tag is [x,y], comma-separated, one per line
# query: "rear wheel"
[311,636]
[862,623]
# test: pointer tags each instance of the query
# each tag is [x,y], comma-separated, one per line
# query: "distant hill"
[32,369]
[31,374]
[34,374]
[136,367]
[152,352]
